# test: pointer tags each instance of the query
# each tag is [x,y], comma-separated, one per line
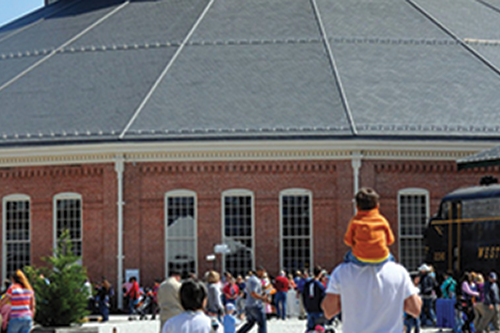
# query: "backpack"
[312,295]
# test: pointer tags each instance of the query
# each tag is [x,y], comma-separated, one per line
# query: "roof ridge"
[165,70]
[56,50]
[460,41]
[333,65]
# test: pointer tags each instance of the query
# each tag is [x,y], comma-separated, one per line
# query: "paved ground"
[120,324]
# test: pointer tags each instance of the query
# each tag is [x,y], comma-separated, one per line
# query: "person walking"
[468,294]
[302,278]
[312,296]
[22,298]
[372,291]
[132,295]
[215,307]
[371,298]
[281,284]
[104,292]
[168,297]
[427,286]
[254,307]
[193,297]
[490,307]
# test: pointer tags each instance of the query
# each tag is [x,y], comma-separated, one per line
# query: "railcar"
[465,233]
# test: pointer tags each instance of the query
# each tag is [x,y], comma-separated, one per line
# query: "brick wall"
[145,185]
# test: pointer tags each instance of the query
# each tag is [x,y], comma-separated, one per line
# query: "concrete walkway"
[120,324]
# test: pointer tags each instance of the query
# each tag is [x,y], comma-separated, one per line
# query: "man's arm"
[412,305]
[331,305]
[263,298]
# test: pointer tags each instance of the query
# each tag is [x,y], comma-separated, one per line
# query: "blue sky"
[12,9]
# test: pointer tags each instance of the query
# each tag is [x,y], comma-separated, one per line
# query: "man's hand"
[331,305]
[413,305]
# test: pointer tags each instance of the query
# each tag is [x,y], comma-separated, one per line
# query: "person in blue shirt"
[230,321]
[448,287]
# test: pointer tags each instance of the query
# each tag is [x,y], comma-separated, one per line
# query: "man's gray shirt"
[253,285]
[491,294]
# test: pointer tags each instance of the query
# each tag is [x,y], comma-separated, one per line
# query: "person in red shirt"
[231,291]
[281,284]
[132,295]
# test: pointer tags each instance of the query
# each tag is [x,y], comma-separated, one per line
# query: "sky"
[12,9]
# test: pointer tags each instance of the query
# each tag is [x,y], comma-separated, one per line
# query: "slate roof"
[487,157]
[113,70]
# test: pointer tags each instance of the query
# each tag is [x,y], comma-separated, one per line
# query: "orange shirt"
[369,235]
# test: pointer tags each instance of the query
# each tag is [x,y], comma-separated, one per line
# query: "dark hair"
[174,272]
[366,198]
[317,271]
[192,294]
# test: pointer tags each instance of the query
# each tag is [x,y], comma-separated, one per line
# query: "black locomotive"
[465,234]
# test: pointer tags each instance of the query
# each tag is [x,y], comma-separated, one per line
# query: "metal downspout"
[119,167]
[356,165]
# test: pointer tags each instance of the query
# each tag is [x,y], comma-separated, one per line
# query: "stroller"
[328,326]
[144,305]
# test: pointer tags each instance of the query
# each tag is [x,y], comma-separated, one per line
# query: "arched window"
[238,231]
[16,233]
[68,216]
[180,232]
[296,229]
[413,213]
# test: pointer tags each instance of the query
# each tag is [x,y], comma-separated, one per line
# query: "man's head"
[230,308]
[175,274]
[366,199]
[424,269]
[318,272]
[193,295]
[212,277]
[260,271]
[492,276]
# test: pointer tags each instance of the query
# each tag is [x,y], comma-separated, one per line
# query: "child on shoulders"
[368,234]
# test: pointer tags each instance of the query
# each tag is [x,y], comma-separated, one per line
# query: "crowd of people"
[367,282]
[231,302]
[471,299]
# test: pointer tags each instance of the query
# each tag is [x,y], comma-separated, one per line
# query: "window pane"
[412,220]
[69,218]
[238,234]
[296,232]
[17,235]
[181,231]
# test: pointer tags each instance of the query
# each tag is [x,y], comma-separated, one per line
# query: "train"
[464,235]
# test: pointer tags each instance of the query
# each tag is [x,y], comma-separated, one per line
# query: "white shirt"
[190,322]
[372,297]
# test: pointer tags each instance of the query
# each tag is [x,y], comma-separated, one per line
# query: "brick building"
[154,130]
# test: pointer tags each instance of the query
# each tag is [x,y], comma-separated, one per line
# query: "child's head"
[366,199]
[230,308]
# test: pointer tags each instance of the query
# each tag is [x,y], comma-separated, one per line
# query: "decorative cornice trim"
[242,151]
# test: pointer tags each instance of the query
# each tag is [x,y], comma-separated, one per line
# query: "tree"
[61,297]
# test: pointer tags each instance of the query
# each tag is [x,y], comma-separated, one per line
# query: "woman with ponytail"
[22,298]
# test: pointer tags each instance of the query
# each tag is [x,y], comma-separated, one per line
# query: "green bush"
[61,299]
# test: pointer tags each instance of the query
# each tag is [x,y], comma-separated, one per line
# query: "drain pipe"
[356,165]
[119,167]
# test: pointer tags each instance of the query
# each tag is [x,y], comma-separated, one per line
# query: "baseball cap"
[493,275]
[230,307]
[424,268]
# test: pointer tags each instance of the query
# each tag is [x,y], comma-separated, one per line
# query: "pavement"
[121,324]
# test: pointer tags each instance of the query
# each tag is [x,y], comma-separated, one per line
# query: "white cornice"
[242,151]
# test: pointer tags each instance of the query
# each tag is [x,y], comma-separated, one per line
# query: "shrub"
[61,299]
